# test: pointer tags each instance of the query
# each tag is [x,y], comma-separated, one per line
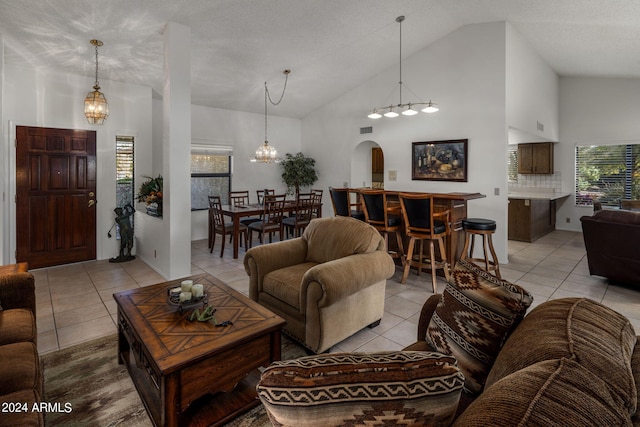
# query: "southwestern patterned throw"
[473,319]
[358,389]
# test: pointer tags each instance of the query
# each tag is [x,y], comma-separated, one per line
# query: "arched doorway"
[367,165]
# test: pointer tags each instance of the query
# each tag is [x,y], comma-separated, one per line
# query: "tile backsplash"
[537,182]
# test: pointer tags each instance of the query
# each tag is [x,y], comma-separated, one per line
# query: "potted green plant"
[150,192]
[297,171]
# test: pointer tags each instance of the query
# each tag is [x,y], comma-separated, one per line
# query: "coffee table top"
[173,341]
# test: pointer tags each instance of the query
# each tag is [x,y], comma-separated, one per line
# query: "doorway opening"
[367,165]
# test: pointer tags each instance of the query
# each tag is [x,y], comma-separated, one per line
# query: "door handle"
[91,194]
[91,203]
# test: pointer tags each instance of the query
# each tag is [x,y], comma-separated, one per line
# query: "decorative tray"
[173,298]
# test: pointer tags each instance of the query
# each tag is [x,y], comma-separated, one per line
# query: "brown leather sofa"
[21,383]
[612,240]
[328,284]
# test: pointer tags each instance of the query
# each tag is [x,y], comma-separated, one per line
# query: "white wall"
[532,89]
[592,111]
[464,72]
[47,99]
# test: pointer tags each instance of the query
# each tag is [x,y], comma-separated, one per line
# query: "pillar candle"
[197,290]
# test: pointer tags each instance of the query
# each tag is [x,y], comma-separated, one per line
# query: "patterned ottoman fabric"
[473,319]
[357,389]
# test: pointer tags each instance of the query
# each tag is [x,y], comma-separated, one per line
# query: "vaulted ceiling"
[331,46]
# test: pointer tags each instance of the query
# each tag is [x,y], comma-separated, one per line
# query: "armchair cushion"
[344,389]
[473,319]
[285,283]
[338,237]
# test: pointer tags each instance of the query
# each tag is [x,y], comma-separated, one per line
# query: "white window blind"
[607,173]
[512,162]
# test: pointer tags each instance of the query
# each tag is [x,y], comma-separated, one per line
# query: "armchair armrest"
[425,315]
[337,279]
[17,290]
[261,260]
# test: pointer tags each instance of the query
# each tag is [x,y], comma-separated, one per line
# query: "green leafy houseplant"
[150,192]
[298,171]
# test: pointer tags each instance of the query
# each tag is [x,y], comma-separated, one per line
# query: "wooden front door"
[55,196]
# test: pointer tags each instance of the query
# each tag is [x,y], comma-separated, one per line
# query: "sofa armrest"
[261,260]
[342,277]
[425,315]
[17,290]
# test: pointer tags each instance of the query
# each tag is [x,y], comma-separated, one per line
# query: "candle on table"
[186,285]
[197,290]
[185,296]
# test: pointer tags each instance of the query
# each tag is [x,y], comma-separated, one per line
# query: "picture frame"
[440,160]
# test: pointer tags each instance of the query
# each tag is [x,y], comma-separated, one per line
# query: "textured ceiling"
[330,45]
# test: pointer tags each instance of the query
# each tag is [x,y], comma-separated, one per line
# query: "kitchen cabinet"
[530,219]
[535,158]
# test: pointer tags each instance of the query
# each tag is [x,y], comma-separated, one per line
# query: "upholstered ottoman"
[358,389]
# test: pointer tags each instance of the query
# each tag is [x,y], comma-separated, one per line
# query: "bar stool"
[485,228]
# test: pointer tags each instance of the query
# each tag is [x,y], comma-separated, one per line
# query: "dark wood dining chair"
[271,222]
[376,212]
[261,193]
[306,205]
[422,224]
[342,206]
[318,192]
[219,226]
[241,199]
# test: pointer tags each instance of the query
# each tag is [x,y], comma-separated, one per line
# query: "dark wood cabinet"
[535,158]
[530,219]
[377,160]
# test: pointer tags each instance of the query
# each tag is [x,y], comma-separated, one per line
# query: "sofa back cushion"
[595,336]
[347,389]
[557,392]
[619,216]
[473,319]
[337,237]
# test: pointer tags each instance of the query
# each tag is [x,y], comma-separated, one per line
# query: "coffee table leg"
[171,401]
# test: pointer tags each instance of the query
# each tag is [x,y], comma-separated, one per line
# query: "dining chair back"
[217,225]
[306,204]
[261,193]
[376,213]
[421,224]
[239,198]
[272,215]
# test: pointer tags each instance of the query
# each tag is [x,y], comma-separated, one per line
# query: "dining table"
[236,212]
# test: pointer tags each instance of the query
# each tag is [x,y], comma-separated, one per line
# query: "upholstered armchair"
[327,284]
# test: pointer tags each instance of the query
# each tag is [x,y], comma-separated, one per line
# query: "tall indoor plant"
[298,171]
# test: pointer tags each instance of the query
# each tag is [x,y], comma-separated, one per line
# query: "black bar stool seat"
[485,228]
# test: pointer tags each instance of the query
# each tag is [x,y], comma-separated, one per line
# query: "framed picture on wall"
[440,160]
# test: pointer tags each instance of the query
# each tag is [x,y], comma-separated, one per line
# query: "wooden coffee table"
[195,373]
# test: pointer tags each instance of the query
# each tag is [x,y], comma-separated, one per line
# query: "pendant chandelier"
[265,152]
[96,108]
[400,108]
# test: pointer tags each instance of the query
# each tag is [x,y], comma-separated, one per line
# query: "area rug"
[100,392]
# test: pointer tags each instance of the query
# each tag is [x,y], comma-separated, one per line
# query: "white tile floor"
[75,303]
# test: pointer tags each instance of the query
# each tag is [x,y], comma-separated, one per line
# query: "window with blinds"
[210,175]
[512,162]
[124,171]
[607,174]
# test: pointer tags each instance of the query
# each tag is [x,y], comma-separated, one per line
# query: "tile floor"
[75,304]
